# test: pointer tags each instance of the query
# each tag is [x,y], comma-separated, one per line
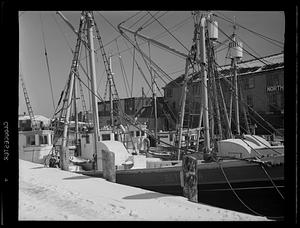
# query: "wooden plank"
[108,163]
[190,180]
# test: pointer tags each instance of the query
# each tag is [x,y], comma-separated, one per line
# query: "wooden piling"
[190,180]
[64,158]
[108,164]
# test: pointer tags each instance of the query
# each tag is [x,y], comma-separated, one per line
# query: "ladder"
[74,70]
[110,78]
[34,125]
[83,104]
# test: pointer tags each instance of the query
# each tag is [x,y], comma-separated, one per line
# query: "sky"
[59,38]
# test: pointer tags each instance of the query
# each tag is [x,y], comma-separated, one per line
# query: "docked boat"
[244,170]
[35,146]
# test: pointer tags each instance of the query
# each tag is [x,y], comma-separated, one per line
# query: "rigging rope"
[256,33]
[132,74]
[141,27]
[48,68]
[230,38]
[114,27]
[126,84]
[232,87]
[233,190]
[170,33]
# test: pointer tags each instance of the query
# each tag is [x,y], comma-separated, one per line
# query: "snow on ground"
[53,194]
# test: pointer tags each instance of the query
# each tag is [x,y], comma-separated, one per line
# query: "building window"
[142,133]
[248,83]
[169,92]
[273,102]
[130,106]
[282,101]
[43,139]
[196,107]
[196,89]
[87,138]
[171,137]
[251,83]
[250,100]
[30,140]
[131,133]
[174,105]
[106,137]
[137,133]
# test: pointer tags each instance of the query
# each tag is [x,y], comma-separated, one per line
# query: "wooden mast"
[110,95]
[235,79]
[201,44]
[90,25]
[64,152]
[183,100]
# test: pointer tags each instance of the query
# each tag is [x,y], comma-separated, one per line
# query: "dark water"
[264,202]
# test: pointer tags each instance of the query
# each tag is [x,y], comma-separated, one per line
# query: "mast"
[183,100]
[236,98]
[235,56]
[110,95]
[64,153]
[90,25]
[76,118]
[201,43]
[154,97]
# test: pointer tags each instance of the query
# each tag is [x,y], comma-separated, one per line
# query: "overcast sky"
[58,38]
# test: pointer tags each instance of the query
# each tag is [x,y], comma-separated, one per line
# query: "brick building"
[260,81]
[129,105]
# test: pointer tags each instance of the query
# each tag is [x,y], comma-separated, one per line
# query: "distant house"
[24,122]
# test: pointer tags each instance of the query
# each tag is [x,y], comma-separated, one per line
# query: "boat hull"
[233,184]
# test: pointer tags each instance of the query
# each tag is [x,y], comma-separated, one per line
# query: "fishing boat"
[244,170]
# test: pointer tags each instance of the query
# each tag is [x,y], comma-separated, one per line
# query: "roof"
[266,63]
[271,62]
[37,118]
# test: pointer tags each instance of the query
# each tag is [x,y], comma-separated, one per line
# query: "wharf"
[52,194]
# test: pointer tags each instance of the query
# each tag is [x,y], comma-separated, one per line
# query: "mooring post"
[108,164]
[64,157]
[190,180]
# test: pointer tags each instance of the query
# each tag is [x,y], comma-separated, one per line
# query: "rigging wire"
[256,33]
[131,17]
[126,84]
[163,14]
[235,193]
[231,39]
[47,62]
[141,27]
[170,33]
[132,74]
[232,87]
[141,18]
[162,34]
[251,48]
[150,87]
[113,27]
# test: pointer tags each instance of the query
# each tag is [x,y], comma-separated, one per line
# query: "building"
[261,84]
[24,122]
[129,106]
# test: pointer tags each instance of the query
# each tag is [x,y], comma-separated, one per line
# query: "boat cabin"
[34,146]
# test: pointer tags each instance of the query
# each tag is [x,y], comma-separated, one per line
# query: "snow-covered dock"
[53,194]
